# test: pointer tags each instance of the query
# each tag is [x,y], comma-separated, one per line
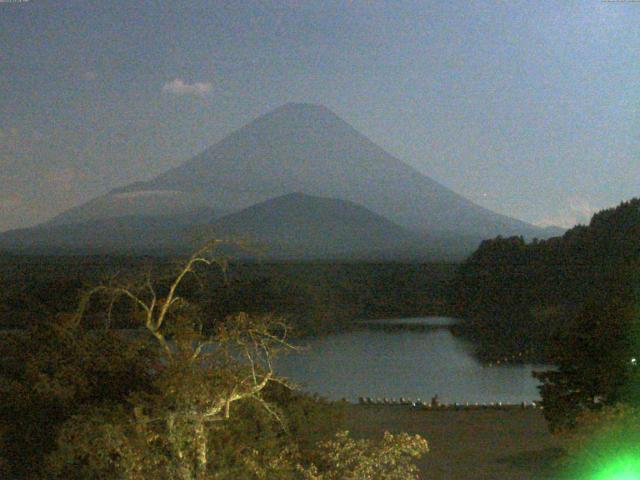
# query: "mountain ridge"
[294,226]
[303,148]
[308,148]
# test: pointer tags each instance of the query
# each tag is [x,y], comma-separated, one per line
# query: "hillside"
[136,234]
[273,179]
[303,226]
[293,226]
[518,295]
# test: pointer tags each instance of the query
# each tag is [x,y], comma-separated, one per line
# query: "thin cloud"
[180,87]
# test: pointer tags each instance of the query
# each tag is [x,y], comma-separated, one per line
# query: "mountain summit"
[308,149]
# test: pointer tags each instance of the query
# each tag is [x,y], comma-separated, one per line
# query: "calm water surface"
[413,364]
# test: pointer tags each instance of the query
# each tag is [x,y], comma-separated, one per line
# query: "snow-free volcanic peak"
[306,148]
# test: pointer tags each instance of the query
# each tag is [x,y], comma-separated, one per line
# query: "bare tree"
[202,374]
[200,387]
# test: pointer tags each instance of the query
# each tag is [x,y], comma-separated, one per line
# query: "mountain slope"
[293,226]
[125,234]
[303,226]
[142,203]
[307,148]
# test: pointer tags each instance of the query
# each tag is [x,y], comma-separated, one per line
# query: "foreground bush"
[54,371]
[344,458]
[175,403]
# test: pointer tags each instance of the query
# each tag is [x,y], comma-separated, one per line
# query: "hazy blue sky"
[529,108]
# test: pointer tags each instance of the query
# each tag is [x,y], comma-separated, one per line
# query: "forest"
[571,301]
[517,296]
[315,297]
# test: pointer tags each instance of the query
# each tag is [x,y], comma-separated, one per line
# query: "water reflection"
[412,364]
[413,321]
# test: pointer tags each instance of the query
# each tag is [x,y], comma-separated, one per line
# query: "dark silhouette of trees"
[595,366]
[571,301]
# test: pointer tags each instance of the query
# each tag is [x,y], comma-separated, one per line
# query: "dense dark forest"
[315,297]
[519,296]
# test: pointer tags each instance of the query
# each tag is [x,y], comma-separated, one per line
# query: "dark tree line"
[314,296]
[570,300]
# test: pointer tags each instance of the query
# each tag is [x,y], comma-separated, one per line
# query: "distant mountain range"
[298,180]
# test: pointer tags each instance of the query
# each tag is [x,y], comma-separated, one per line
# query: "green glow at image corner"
[626,468]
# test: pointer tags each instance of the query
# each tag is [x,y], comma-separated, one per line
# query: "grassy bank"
[468,445]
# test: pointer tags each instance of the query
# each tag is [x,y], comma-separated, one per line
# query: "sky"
[528,108]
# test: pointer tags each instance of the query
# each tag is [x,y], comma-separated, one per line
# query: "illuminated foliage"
[344,458]
[53,371]
[172,400]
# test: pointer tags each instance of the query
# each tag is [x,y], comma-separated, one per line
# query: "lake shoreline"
[505,444]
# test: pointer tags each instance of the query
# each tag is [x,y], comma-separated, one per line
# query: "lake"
[415,363]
